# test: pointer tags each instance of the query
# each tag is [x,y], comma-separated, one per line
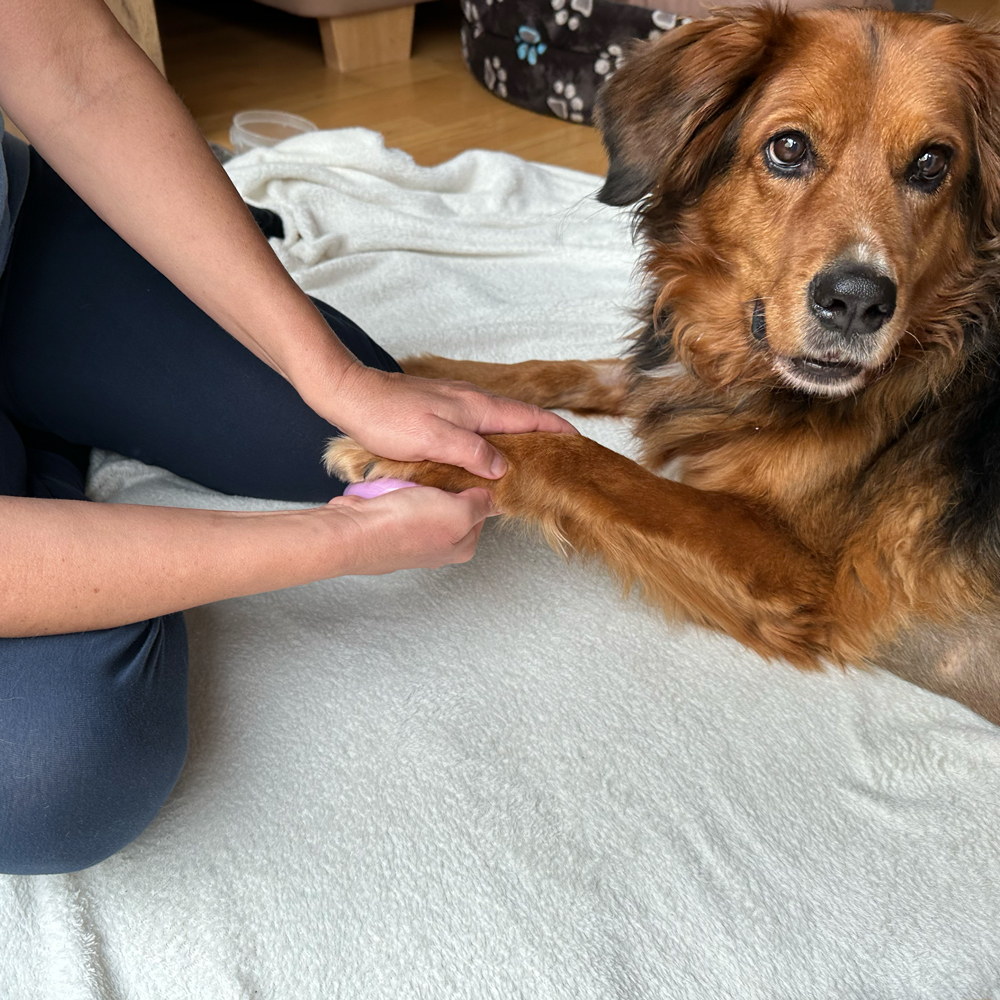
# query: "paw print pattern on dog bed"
[551,56]
[554,53]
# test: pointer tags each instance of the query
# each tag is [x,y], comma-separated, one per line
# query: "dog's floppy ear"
[980,54]
[669,116]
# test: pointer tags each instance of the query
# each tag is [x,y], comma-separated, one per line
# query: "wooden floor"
[971,8]
[225,56]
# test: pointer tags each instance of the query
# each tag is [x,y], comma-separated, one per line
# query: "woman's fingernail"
[498,467]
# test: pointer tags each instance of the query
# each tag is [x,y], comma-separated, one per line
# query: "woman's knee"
[68,810]
[93,734]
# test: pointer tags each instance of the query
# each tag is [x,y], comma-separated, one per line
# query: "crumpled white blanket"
[503,780]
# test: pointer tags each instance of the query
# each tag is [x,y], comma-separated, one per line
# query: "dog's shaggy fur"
[819,199]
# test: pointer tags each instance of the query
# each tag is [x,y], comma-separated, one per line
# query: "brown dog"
[819,198]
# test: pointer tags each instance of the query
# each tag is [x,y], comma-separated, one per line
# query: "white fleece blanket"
[503,780]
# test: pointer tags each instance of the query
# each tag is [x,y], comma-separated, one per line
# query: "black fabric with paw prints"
[551,56]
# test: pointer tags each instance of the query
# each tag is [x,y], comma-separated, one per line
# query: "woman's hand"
[416,527]
[414,419]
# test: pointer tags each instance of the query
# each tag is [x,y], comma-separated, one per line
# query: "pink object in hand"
[376,487]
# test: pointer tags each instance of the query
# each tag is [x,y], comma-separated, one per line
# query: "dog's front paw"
[348,460]
[353,463]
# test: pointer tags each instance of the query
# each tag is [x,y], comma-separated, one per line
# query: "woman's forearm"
[69,566]
[111,126]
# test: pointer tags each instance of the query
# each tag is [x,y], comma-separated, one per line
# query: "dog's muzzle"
[849,303]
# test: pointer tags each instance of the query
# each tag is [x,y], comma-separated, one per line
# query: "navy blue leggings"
[97,349]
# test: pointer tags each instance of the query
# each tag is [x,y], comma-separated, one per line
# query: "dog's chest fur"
[772,449]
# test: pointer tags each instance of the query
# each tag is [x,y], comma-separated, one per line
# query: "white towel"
[503,780]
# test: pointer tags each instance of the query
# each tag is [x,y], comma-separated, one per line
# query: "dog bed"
[551,56]
[504,779]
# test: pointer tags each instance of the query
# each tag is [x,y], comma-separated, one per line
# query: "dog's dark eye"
[927,171]
[787,153]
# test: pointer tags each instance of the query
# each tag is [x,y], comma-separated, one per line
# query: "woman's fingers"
[482,501]
[510,416]
[454,445]
[466,548]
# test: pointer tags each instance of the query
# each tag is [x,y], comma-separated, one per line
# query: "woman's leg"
[93,733]
[93,725]
[97,347]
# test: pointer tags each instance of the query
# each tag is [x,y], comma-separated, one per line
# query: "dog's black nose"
[853,299]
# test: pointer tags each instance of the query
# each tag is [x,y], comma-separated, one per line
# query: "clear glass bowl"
[251,129]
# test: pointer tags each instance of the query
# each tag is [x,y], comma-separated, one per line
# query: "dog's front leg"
[709,557]
[585,387]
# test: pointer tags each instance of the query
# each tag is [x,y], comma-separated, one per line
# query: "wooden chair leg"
[361,41]
[138,18]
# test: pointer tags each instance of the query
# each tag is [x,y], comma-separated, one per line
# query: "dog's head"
[820,192]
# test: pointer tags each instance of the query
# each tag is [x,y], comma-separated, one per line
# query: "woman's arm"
[99,112]
[71,566]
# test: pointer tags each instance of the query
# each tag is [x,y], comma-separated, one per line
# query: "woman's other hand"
[416,527]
